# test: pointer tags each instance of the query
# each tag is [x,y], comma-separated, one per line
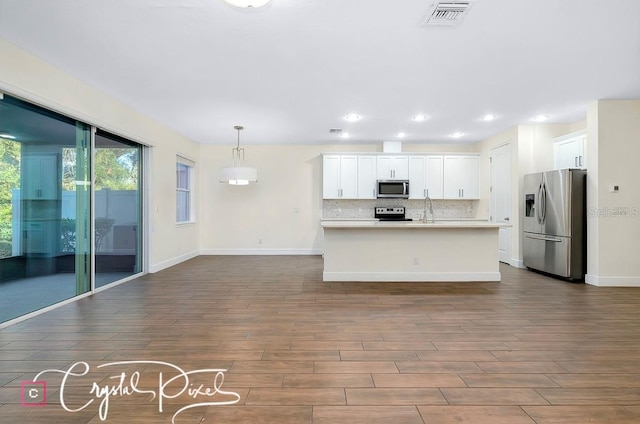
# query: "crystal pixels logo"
[198,388]
[33,393]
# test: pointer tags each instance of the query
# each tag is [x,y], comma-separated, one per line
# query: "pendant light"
[238,174]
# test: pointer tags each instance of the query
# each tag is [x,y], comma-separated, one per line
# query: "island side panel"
[411,254]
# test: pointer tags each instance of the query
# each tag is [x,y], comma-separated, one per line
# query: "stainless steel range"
[396,213]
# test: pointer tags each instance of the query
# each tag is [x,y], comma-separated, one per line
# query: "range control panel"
[393,212]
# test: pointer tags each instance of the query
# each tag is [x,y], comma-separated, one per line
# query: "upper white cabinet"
[366,177]
[434,177]
[425,177]
[393,167]
[461,177]
[354,176]
[570,151]
[417,179]
[340,177]
[40,180]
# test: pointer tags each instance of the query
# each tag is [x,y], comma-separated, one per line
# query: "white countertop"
[410,224]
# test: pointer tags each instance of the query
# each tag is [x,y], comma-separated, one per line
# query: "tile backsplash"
[363,209]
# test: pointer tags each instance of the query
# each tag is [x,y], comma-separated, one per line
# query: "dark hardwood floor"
[529,349]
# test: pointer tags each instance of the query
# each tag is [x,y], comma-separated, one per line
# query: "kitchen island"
[372,250]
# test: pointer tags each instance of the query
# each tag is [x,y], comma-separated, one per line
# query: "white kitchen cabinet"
[460,177]
[340,177]
[570,151]
[425,177]
[417,177]
[367,177]
[40,179]
[434,178]
[393,167]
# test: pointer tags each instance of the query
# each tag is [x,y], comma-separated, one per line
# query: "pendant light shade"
[238,174]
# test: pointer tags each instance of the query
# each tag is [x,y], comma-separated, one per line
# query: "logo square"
[33,393]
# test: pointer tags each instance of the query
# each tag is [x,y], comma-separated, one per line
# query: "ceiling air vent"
[448,12]
[335,130]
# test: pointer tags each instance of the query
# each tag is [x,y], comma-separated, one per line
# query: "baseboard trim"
[596,280]
[517,263]
[171,262]
[264,252]
[412,276]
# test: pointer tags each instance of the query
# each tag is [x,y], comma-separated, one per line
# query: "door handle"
[544,202]
[543,238]
[538,204]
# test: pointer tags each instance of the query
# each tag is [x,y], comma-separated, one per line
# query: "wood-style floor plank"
[294,349]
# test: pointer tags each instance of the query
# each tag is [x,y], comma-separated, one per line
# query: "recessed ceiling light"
[352,117]
[402,135]
[247,3]
[9,136]
[456,135]
[488,117]
[540,118]
[420,118]
[344,135]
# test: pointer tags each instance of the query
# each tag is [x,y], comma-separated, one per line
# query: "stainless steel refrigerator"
[555,223]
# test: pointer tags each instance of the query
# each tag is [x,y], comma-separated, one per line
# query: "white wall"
[25,76]
[613,219]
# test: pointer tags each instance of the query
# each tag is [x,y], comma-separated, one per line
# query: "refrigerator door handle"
[538,205]
[544,203]
[544,238]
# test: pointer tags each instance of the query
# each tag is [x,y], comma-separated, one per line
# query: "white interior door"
[501,197]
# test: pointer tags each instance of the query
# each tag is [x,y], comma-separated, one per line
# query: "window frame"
[189,166]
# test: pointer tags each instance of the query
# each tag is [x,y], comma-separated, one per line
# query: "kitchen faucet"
[424,213]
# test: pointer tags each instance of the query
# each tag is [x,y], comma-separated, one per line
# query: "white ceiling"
[293,69]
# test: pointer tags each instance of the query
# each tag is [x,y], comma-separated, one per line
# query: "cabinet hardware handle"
[580,160]
[575,161]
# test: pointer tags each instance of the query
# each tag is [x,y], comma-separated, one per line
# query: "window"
[184,187]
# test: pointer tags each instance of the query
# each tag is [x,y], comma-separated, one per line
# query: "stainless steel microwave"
[396,189]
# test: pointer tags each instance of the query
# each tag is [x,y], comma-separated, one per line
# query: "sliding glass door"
[45,204]
[70,204]
[117,208]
